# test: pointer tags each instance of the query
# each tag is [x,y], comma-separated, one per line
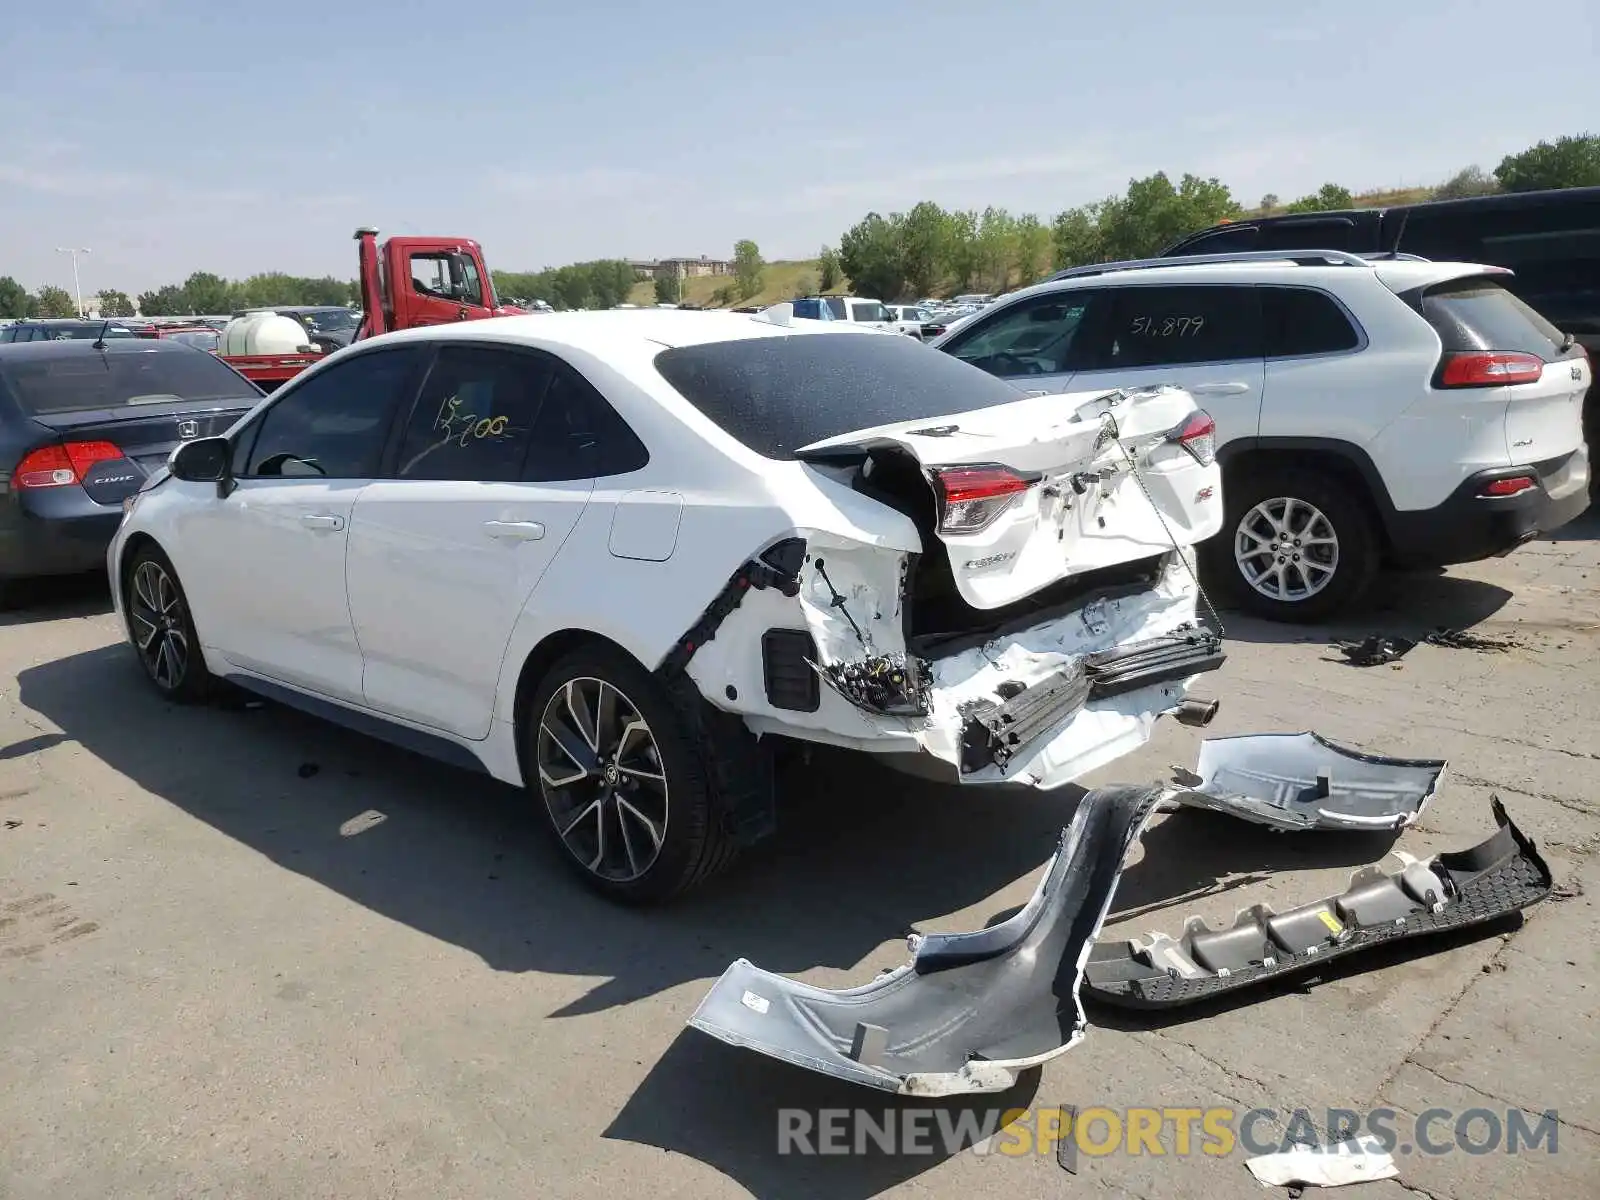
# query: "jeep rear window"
[776,394]
[1479,314]
[55,383]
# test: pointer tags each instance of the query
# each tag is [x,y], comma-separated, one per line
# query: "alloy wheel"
[602,778]
[157,616]
[1286,549]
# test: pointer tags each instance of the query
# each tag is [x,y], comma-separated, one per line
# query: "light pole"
[77,291]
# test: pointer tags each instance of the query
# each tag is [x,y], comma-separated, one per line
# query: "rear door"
[1206,338]
[495,467]
[264,565]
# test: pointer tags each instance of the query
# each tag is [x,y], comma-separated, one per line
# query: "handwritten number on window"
[463,428]
[1165,327]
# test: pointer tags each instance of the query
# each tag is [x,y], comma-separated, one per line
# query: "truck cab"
[413,281]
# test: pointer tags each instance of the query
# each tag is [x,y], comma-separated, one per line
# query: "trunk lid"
[1544,420]
[1029,493]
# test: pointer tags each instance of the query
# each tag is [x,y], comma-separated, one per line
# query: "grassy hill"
[779,281]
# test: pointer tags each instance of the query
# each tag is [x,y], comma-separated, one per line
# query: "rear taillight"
[1489,368]
[1501,488]
[1197,435]
[58,466]
[971,497]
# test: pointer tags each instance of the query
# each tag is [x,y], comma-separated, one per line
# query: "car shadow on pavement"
[724,1107]
[52,599]
[1403,603]
[1585,529]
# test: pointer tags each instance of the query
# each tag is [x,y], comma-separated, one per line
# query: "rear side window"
[58,383]
[776,394]
[1299,321]
[1176,326]
[1479,314]
[810,310]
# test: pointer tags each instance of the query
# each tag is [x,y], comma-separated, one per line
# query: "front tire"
[1296,546]
[626,771]
[162,629]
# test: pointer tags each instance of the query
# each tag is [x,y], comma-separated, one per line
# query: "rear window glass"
[776,394]
[81,382]
[1477,314]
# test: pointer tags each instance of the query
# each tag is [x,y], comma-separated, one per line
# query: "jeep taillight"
[1489,368]
[971,497]
[58,466]
[1197,435]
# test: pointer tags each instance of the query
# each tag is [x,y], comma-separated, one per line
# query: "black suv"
[1550,239]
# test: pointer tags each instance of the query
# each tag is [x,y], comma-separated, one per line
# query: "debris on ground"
[1359,1160]
[1376,650]
[1461,639]
[307,770]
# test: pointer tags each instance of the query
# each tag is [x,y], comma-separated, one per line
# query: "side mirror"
[205,460]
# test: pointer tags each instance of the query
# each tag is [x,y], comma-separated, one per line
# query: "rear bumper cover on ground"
[969,1010]
[1495,878]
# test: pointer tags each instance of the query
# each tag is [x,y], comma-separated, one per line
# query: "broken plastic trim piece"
[970,1010]
[891,685]
[1451,891]
[1303,781]
[778,567]
[1158,660]
[994,734]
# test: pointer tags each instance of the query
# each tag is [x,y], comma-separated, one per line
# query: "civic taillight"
[1197,435]
[972,496]
[1489,368]
[58,466]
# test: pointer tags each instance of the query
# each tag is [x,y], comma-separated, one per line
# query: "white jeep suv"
[1368,410]
[600,555]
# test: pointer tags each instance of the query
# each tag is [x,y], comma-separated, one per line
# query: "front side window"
[335,423]
[475,416]
[436,275]
[1033,337]
[1177,326]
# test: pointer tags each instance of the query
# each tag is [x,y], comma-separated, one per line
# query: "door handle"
[514,531]
[1232,388]
[322,521]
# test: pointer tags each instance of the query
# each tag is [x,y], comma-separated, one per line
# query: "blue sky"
[173,135]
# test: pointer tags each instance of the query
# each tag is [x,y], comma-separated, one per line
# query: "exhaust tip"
[1198,713]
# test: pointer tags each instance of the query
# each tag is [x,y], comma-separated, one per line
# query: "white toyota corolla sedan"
[610,556]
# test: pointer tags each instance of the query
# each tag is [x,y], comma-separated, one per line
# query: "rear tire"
[1296,546]
[629,772]
[162,628]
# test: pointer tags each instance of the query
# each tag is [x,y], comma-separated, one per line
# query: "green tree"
[323,290]
[723,297]
[747,268]
[1034,250]
[168,301]
[53,302]
[1153,214]
[1566,162]
[1269,203]
[924,256]
[996,249]
[961,248]
[805,285]
[1327,198]
[869,253]
[115,304]
[208,293]
[13,298]
[1075,237]
[1469,181]
[828,269]
[669,289]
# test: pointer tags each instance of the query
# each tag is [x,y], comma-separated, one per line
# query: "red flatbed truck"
[405,282]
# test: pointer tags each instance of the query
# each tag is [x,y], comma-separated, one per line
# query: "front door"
[489,481]
[445,287]
[264,566]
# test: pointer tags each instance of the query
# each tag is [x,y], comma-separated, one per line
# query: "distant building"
[655,268]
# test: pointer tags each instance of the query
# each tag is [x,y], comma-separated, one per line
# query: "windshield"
[776,394]
[327,319]
[55,383]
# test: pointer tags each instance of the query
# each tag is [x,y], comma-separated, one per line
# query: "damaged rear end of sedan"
[1020,606]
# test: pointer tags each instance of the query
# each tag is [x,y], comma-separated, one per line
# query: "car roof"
[600,331]
[1398,274]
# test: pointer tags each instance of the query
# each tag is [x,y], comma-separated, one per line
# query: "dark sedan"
[82,426]
[64,329]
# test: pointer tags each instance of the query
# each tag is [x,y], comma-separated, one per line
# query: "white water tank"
[264,333]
